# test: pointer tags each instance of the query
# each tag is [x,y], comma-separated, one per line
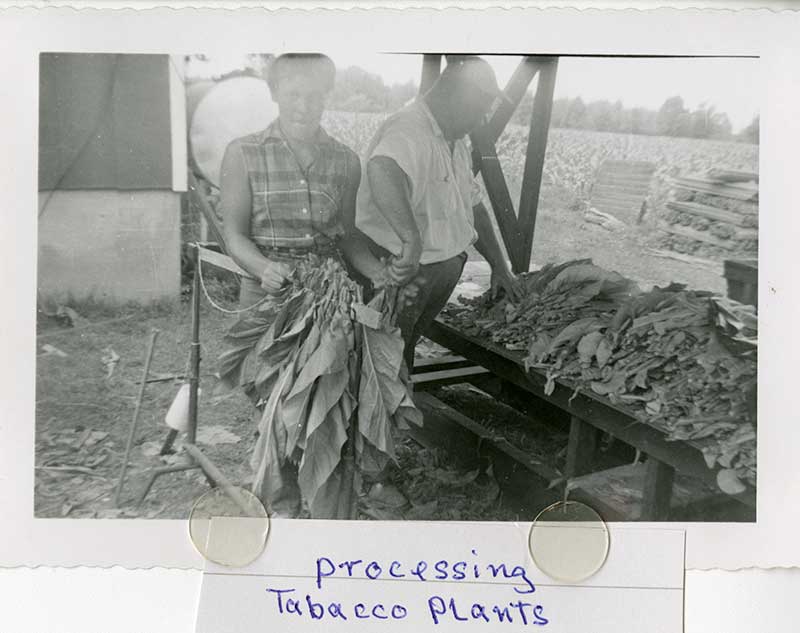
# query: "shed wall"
[110,246]
[104,121]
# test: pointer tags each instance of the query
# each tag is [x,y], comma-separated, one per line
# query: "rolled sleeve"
[404,148]
[476,192]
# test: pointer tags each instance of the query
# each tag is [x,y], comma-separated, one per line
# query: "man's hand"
[408,294]
[403,268]
[503,279]
[274,277]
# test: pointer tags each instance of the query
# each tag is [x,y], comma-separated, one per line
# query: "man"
[420,202]
[287,191]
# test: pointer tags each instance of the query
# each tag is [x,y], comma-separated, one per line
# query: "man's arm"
[236,205]
[391,194]
[488,246]
[353,245]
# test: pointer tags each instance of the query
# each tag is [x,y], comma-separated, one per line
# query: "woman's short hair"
[316,65]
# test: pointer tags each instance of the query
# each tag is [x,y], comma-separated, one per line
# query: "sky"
[730,84]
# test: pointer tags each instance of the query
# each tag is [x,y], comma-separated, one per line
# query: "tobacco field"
[573,156]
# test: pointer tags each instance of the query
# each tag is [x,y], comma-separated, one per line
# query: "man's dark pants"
[436,283]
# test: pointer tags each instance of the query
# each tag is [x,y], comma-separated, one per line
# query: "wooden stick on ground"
[135,421]
[210,469]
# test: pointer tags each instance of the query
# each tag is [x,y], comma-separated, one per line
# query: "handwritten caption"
[440,606]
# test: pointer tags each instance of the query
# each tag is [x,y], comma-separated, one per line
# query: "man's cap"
[475,71]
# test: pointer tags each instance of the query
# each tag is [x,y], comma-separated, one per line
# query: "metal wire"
[216,305]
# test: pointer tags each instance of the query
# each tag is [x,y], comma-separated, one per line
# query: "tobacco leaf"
[587,346]
[270,447]
[538,347]
[579,274]
[574,331]
[295,418]
[310,344]
[329,357]
[603,352]
[381,391]
[285,319]
[615,385]
[321,456]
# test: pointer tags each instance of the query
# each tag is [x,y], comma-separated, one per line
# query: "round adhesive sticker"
[229,526]
[569,541]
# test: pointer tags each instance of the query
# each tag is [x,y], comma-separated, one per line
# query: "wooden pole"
[534,160]
[196,196]
[194,359]
[135,421]
[431,69]
[657,492]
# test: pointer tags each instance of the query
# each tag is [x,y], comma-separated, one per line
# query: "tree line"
[357,90]
[673,118]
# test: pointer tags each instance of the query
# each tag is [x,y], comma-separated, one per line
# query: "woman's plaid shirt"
[293,208]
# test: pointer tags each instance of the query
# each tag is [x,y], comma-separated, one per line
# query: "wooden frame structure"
[588,414]
[517,224]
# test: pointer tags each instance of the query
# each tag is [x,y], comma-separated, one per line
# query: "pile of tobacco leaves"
[680,360]
[314,366]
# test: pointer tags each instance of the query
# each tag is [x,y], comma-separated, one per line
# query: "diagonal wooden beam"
[515,89]
[485,160]
[534,159]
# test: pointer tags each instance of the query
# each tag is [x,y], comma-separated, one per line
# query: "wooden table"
[588,412]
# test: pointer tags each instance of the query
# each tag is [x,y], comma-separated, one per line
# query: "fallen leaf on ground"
[387,496]
[180,459]
[110,359]
[150,449]
[213,435]
[454,478]
[52,350]
[423,511]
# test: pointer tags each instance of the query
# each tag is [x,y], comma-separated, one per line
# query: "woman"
[286,193]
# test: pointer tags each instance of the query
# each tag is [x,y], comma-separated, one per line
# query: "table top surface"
[615,418]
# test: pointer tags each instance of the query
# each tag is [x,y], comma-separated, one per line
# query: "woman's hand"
[274,277]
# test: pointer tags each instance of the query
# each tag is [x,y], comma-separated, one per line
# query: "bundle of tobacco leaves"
[553,298]
[682,361]
[314,368]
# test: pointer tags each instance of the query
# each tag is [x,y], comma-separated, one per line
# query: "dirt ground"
[562,234]
[88,376]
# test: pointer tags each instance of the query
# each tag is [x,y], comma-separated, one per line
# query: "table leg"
[580,448]
[658,480]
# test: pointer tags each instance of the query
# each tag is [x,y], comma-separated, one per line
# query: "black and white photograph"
[397,286]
